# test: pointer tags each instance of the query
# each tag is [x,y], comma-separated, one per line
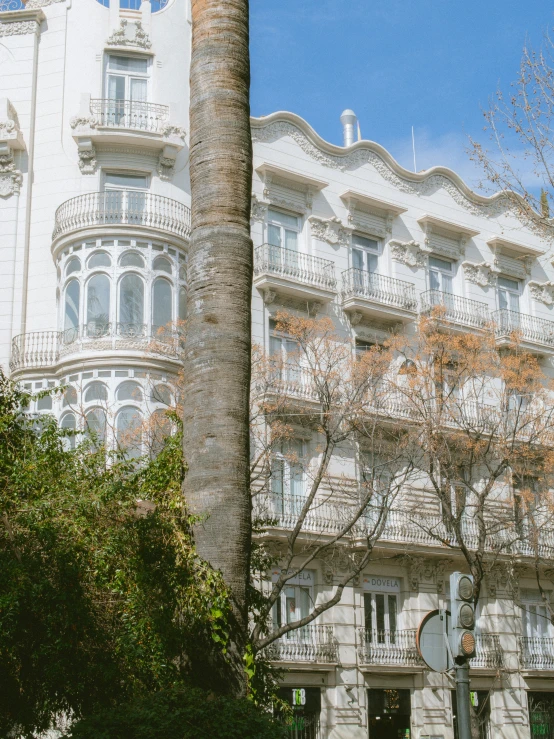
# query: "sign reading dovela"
[381,584]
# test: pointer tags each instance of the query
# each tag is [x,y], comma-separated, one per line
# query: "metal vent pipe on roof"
[349,121]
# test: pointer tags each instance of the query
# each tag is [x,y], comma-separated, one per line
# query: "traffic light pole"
[463,716]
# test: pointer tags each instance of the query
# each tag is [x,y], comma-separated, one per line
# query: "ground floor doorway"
[541,714]
[306,711]
[481,712]
[389,713]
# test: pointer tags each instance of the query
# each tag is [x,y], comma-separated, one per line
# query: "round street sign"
[431,641]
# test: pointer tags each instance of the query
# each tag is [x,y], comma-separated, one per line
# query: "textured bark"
[218,347]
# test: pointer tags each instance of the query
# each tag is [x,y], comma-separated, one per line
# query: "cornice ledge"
[282,123]
[29,14]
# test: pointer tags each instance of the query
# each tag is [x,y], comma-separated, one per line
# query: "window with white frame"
[508,291]
[295,602]
[441,272]
[283,230]
[287,477]
[284,353]
[126,89]
[381,617]
[535,615]
[365,253]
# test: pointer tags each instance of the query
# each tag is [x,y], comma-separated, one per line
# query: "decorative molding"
[18,28]
[87,156]
[83,122]
[355,318]
[410,253]
[482,273]
[170,130]
[279,125]
[31,4]
[258,209]
[497,577]
[10,177]
[518,268]
[269,296]
[166,162]
[543,292]
[315,307]
[330,230]
[120,36]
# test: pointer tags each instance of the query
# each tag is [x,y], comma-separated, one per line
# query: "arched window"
[44,403]
[74,265]
[95,424]
[99,259]
[69,396]
[129,431]
[96,391]
[162,299]
[156,5]
[98,305]
[159,429]
[68,424]
[162,264]
[131,259]
[71,310]
[408,368]
[131,300]
[183,272]
[129,391]
[161,394]
[182,303]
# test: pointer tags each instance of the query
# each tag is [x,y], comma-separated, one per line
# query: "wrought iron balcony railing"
[122,207]
[528,328]
[283,512]
[536,652]
[455,309]
[290,264]
[488,652]
[384,647]
[378,289]
[131,114]
[312,643]
[46,348]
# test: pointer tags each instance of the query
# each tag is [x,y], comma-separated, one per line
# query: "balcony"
[126,122]
[488,653]
[122,209]
[289,272]
[536,652]
[314,644]
[283,512]
[377,296]
[454,310]
[47,349]
[394,649]
[532,333]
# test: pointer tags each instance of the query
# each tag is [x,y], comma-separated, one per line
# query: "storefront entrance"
[541,715]
[306,710]
[389,713]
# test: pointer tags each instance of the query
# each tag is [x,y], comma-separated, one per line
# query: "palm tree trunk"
[218,346]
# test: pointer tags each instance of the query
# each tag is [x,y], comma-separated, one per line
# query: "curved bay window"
[116,287]
[128,425]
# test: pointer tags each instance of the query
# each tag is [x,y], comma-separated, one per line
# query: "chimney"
[348,120]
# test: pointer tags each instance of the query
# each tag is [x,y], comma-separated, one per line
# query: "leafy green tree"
[102,596]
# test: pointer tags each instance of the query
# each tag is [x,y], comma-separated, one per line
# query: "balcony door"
[295,603]
[287,480]
[126,91]
[285,356]
[440,275]
[125,197]
[381,617]
[283,235]
[508,291]
[536,619]
[365,254]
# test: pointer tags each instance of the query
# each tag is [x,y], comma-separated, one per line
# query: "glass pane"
[159,429]
[163,264]
[98,303]
[44,404]
[392,615]
[275,346]
[441,264]
[131,300]
[131,259]
[74,265]
[368,619]
[128,64]
[68,423]
[277,469]
[514,302]
[138,90]
[162,298]
[380,616]
[291,240]
[96,391]
[434,280]
[370,244]
[129,391]
[69,396]
[305,602]
[283,219]
[446,283]
[71,312]
[128,430]
[274,235]
[116,87]
[357,259]
[100,259]
[95,424]
[372,262]
[503,300]
[161,394]
[508,284]
[182,304]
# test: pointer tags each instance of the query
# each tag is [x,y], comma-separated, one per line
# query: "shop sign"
[298,697]
[306,577]
[381,584]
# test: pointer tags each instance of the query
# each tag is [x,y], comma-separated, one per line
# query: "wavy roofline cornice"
[340,157]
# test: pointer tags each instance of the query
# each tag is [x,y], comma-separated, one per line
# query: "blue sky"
[432,64]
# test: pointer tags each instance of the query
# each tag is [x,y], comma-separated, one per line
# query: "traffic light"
[462,637]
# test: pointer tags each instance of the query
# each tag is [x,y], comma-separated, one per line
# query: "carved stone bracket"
[258,209]
[166,162]
[87,156]
[11,140]
[314,307]
[338,561]
[170,130]
[497,577]
[482,273]
[355,317]
[269,296]
[123,36]
[10,177]
[83,122]
[420,569]
[543,292]
[330,230]
[410,253]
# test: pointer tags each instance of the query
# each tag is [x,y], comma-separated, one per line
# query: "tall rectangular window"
[126,92]
[440,274]
[381,617]
[365,253]
[508,291]
[282,229]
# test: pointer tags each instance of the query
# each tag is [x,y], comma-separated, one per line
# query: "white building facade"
[95,224]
